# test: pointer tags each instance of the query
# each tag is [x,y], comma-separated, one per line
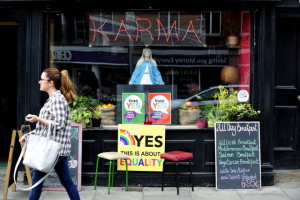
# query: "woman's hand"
[31,118]
[22,139]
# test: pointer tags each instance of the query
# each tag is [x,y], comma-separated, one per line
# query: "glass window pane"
[216,23]
[101,51]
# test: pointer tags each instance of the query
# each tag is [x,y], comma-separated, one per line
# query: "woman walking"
[55,111]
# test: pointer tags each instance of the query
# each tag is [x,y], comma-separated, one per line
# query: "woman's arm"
[34,118]
[60,112]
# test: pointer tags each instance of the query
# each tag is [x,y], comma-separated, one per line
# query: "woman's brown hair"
[62,82]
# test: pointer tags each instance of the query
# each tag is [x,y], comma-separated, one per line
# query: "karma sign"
[152,28]
[143,145]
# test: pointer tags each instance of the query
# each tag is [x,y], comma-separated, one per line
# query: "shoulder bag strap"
[37,183]
[49,134]
[18,163]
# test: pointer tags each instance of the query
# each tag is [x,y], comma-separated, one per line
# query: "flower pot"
[210,124]
[232,40]
[147,123]
[201,123]
[96,122]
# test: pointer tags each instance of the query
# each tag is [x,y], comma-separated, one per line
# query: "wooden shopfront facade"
[100,42]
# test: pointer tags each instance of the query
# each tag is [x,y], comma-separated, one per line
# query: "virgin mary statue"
[146,71]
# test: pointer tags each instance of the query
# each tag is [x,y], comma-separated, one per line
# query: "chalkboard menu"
[52,181]
[237,155]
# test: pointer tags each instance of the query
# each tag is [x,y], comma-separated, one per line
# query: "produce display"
[108,114]
[188,113]
[109,105]
[189,106]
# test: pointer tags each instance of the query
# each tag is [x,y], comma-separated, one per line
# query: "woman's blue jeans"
[63,172]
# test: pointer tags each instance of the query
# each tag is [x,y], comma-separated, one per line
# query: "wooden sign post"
[12,158]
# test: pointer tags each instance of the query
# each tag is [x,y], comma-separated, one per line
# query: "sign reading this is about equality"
[143,145]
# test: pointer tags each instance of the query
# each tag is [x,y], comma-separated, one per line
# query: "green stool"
[111,156]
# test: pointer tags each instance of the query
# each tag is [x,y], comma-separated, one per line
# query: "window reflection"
[98,64]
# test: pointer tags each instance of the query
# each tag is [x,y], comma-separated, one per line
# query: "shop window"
[107,17]
[213,23]
[168,19]
[80,29]
[191,49]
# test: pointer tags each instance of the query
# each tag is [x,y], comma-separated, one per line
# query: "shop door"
[287,95]
[8,86]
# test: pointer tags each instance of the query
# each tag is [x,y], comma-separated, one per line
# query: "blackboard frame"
[59,187]
[238,146]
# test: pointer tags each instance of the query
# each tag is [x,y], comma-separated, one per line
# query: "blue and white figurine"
[146,71]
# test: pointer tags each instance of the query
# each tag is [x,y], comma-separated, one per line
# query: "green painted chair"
[112,157]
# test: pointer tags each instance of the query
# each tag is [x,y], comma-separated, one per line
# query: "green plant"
[83,108]
[202,115]
[81,115]
[213,113]
[243,111]
[84,101]
[96,112]
[204,111]
[229,109]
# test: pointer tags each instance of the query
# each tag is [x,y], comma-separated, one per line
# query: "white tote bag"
[41,154]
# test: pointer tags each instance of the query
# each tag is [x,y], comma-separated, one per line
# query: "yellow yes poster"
[143,145]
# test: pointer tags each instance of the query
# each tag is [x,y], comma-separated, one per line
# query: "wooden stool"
[177,156]
[111,156]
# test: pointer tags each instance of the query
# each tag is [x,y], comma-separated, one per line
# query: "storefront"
[100,45]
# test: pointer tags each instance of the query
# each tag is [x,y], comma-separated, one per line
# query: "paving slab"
[210,193]
[285,188]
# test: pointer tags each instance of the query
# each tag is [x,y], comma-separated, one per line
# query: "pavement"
[286,187]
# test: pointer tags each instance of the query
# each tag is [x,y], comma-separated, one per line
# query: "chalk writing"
[237,155]
[236,127]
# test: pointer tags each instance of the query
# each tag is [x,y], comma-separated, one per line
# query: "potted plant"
[202,120]
[243,112]
[81,115]
[82,109]
[229,109]
[96,119]
[233,110]
[213,114]
[232,28]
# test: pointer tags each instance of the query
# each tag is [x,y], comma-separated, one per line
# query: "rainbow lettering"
[126,138]
[145,162]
